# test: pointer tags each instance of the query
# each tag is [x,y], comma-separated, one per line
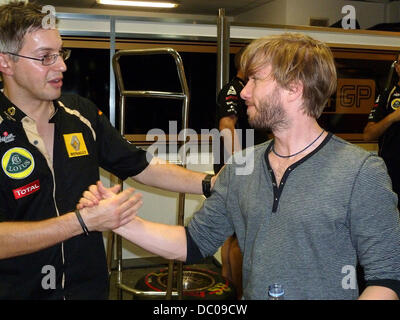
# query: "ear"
[295,91]
[6,64]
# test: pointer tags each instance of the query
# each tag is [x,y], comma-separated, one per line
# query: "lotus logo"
[18,163]
[16,159]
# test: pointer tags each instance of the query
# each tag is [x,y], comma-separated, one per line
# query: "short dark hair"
[16,20]
[238,56]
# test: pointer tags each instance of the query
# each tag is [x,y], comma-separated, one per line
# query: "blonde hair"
[294,58]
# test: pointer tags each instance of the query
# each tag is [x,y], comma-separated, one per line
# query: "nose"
[60,65]
[245,93]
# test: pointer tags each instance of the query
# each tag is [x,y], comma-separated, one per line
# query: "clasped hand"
[105,209]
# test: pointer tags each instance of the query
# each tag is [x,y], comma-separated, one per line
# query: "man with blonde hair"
[314,206]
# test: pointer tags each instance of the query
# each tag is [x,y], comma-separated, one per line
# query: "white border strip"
[340,37]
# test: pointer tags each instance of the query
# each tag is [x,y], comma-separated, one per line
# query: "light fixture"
[144,4]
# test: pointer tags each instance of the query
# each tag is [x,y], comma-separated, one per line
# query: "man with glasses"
[51,148]
[47,59]
[384,125]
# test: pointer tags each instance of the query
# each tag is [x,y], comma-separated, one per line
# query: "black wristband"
[206,184]
[82,223]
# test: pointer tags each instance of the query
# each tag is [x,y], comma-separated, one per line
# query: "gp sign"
[355,95]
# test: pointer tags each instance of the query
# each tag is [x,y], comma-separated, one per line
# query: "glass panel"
[361,75]
[88,75]
[359,82]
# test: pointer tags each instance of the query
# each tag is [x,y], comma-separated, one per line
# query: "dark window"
[88,75]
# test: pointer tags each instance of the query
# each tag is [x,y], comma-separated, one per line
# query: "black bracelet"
[206,184]
[82,223]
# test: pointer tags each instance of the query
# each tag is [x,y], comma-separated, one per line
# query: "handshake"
[102,209]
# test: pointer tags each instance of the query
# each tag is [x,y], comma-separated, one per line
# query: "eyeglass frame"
[63,53]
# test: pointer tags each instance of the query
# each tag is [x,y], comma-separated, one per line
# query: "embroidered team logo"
[75,145]
[17,163]
[27,190]
[395,103]
[231,91]
[6,137]
[11,111]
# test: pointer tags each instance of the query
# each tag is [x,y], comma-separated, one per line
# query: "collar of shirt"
[11,112]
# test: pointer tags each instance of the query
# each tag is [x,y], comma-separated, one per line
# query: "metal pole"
[222,50]
[112,79]
[184,96]
[119,266]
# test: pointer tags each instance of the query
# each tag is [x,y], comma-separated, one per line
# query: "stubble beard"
[270,114]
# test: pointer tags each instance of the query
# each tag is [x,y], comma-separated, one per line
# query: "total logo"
[27,190]
[17,163]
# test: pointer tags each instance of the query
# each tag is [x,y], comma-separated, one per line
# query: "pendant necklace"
[295,154]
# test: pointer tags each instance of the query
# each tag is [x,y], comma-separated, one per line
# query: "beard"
[270,114]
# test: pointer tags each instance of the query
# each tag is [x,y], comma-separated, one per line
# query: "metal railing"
[184,96]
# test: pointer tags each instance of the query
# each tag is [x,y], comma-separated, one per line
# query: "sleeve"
[374,223]
[193,254]
[116,154]
[228,101]
[3,202]
[3,216]
[378,111]
[210,226]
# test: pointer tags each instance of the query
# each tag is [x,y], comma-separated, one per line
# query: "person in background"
[234,128]
[313,206]
[51,149]
[384,125]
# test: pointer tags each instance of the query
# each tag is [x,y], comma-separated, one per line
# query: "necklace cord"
[295,154]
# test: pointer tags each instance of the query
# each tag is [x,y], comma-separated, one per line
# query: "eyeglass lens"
[52,58]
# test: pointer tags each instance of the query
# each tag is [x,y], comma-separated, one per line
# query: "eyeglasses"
[48,59]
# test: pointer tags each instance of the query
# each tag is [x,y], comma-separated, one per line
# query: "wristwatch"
[206,184]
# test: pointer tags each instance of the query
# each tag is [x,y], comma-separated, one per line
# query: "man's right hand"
[95,193]
[113,211]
